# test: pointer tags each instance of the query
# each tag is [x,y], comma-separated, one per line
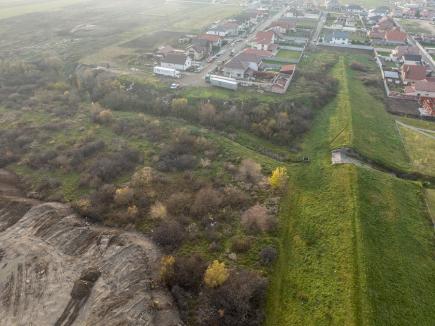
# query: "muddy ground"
[56,269]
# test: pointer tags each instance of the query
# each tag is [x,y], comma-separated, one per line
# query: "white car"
[174,86]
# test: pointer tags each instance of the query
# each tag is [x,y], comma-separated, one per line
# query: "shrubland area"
[251,233]
[203,178]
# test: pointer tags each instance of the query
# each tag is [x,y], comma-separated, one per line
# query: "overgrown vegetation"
[192,190]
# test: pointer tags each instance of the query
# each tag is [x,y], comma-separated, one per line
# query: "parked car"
[174,86]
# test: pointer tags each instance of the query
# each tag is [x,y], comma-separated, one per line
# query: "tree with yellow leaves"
[216,274]
[279,178]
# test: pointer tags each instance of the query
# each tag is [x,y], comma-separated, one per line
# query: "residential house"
[392,77]
[377,34]
[420,88]
[288,69]
[178,60]
[283,26]
[395,36]
[214,40]
[398,53]
[353,8]
[199,52]
[225,29]
[427,106]
[265,41]
[411,59]
[386,23]
[337,38]
[412,73]
[245,64]
[333,5]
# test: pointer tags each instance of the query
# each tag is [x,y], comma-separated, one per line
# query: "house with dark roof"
[412,73]
[245,64]
[225,29]
[199,52]
[178,60]
[411,59]
[402,50]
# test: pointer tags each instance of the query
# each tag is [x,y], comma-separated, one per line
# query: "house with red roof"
[413,73]
[425,88]
[264,40]
[288,69]
[395,36]
[215,40]
[427,106]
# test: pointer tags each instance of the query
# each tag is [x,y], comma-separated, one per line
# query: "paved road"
[198,79]
[426,56]
[315,39]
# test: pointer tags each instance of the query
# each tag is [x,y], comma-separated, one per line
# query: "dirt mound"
[55,269]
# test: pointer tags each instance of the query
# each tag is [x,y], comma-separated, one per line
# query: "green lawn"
[375,134]
[430,199]
[424,124]
[421,150]
[288,55]
[356,244]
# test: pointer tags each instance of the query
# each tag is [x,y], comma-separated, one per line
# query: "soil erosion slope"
[55,269]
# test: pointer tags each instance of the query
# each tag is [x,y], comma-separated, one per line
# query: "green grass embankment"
[356,244]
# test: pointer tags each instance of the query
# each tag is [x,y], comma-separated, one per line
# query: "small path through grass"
[425,132]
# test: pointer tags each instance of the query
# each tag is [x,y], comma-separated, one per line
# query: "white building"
[177,60]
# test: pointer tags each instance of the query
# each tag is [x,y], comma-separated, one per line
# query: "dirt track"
[57,270]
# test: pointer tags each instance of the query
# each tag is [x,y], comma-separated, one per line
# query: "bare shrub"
[240,244]
[257,218]
[158,211]
[249,171]
[207,200]
[123,196]
[268,255]
[179,203]
[238,302]
[169,234]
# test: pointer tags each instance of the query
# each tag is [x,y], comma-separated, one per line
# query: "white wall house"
[177,60]
[338,38]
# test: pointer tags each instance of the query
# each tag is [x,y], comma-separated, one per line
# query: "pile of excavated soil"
[55,269]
